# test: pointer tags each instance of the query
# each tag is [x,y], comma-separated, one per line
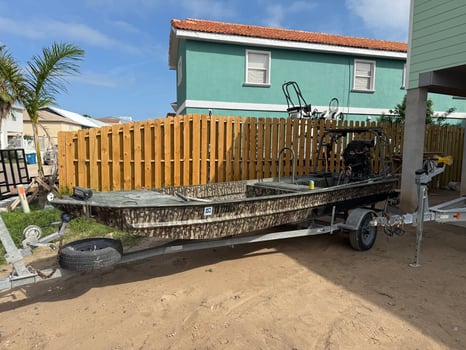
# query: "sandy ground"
[301,293]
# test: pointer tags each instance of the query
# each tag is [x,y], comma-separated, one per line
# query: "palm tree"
[11,82]
[41,80]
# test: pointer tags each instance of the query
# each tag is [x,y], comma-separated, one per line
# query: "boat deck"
[137,198]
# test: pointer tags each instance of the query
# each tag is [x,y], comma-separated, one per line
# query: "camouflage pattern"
[219,209]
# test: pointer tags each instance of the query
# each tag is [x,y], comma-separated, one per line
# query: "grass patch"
[49,219]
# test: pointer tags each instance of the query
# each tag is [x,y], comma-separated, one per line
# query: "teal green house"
[238,70]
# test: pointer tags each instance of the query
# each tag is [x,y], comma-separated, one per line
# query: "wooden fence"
[197,149]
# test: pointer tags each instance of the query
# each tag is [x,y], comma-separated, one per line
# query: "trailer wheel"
[90,254]
[363,238]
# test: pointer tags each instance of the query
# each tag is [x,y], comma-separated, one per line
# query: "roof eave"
[283,44]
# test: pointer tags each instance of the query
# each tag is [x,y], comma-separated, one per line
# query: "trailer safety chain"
[394,228]
[60,245]
[46,276]
[43,275]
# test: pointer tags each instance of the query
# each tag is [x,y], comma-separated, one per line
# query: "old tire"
[363,238]
[90,254]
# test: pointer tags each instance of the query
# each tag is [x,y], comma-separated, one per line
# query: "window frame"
[267,69]
[372,77]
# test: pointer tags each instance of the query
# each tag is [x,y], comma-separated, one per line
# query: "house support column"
[463,168]
[413,147]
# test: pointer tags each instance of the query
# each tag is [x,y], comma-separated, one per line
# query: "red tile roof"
[286,34]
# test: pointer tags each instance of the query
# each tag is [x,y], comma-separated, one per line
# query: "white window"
[257,67]
[179,70]
[364,75]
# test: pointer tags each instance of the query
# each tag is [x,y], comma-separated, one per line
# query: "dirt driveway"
[305,293]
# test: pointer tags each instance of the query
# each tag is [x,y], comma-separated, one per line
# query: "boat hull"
[223,209]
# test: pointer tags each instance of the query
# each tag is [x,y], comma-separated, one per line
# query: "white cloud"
[390,17]
[206,9]
[274,15]
[277,14]
[94,78]
[212,9]
[118,6]
[126,27]
[15,27]
[69,31]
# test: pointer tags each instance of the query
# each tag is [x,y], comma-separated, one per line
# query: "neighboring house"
[437,64]
[115,120]
[52,120]
[11,127]
[238,70]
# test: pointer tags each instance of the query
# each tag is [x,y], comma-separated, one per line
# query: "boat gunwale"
[132,204]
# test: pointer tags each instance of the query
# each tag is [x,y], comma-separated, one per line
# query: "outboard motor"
[357,160]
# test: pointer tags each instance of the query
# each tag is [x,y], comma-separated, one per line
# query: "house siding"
[220,70]
[438,32]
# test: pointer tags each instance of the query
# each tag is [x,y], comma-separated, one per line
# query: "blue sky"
[125,70]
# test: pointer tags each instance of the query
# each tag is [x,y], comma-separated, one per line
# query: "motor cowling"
[357,160]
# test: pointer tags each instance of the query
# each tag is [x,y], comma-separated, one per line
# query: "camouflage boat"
[222,209]
[232,208]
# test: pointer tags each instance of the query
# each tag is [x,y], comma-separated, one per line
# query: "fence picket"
[94,171]
[82,150]
[212,150]
[177,136]
[220,138]
[229,149]
[148,136]
[105,158]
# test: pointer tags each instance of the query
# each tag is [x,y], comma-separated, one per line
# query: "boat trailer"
[361,223]
[361,235]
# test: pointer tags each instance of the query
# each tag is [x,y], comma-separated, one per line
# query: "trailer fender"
[362,236]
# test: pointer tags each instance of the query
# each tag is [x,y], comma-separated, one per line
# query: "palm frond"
[11,82]
[46,74]
[11,78]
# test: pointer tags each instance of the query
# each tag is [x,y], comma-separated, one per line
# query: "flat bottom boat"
[224,209]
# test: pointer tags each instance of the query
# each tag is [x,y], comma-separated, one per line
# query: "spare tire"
[90,254]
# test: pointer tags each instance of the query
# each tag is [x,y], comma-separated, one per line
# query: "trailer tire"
[90,254]
[363,238]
